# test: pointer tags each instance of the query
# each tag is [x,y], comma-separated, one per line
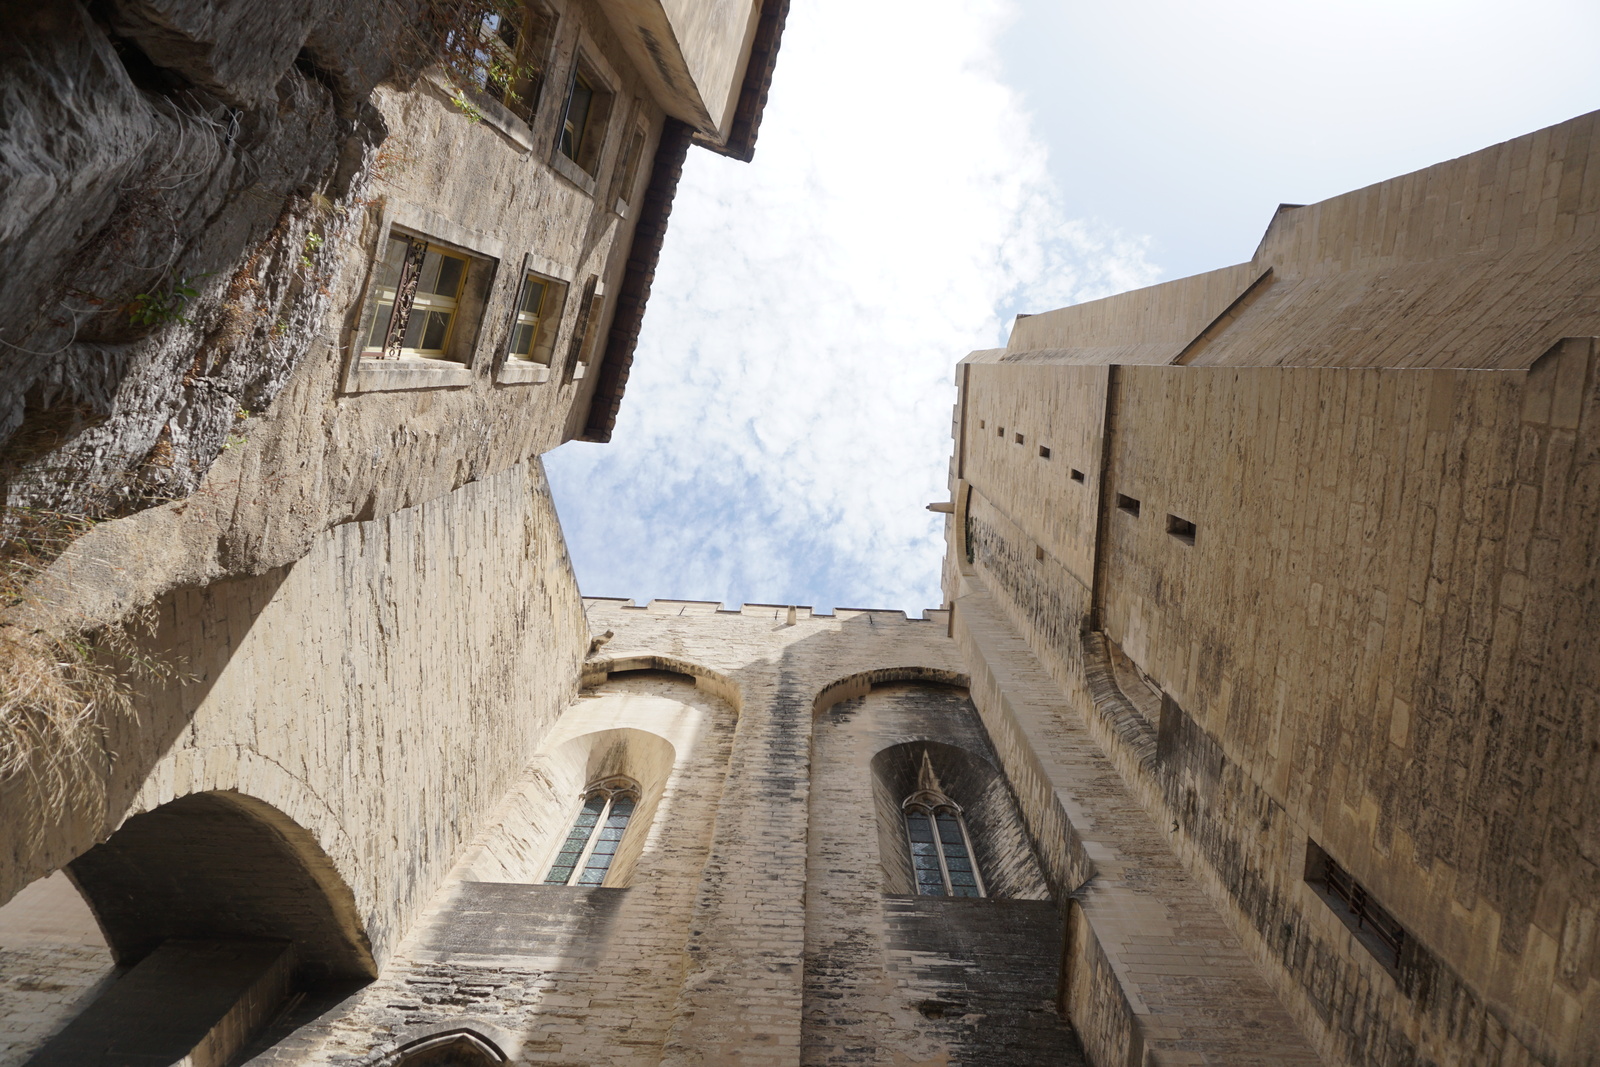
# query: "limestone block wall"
[1376,642]
[383,693]
[568,975]
[741,1001]
[701,957]
[894,977]
[1403,669]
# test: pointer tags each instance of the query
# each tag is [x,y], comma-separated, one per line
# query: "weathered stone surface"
[1330,582]
[382,694]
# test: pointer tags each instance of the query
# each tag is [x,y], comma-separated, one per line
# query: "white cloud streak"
[788,413]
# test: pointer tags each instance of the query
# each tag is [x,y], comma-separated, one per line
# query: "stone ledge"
[382,375]
[520,371]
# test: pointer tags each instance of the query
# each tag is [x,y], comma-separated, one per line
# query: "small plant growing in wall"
[313,246]
[163,307]
[466,107]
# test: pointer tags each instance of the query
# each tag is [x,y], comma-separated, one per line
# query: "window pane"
[451,271]
[532,297]
[963,876]
[572,130]
[594,872]
[414,324]
[522,341]
[438,329]
[430,272]
[572,847]
[380,325]
[924,855]
[394,257]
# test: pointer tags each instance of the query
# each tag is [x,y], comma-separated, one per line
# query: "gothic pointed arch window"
[603,816]
[941,851]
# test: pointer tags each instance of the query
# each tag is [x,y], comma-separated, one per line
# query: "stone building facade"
[1261,724]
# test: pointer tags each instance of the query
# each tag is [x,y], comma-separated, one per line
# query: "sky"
[918,181]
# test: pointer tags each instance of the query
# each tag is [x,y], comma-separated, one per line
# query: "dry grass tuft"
[58,690]
[54,696]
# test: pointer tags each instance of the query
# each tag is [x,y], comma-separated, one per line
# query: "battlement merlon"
[767,611]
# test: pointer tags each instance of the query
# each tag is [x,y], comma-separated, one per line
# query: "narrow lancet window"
[941,855]
[586,854]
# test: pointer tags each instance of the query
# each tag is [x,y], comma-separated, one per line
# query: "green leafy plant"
[466,107]
[313,245]
[163,307]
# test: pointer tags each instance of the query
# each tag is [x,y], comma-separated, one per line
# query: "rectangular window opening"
[1182,529]
[1377,930]
[1019,439]
[1077,476]
[626,172]
[982,425]
[586,330]
[536,319]
[416,301]
[999,431]
[1044,451]
[1038,552]
[1128,505]
[504,54]
[584,118]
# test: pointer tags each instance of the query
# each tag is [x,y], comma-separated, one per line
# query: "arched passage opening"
[217,908]
[226,866]
[454,1048]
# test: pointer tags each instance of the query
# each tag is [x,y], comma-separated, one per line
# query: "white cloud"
[788,412]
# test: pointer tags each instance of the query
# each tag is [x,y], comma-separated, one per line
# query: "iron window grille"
[1371,922]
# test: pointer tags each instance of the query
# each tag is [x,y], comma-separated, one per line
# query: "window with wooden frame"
[415,306]
[597,832]
[536,319]
[583,117]
[509,49]
[941,852]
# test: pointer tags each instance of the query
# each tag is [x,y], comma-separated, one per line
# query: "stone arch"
[458,1046]
[223,866]
[861,683]
[597,671]
[517,848]
[978,789]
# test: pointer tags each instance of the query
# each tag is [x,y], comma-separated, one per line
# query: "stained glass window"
[941,857]
[607,805]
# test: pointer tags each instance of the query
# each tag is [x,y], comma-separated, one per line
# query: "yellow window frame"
[421,302]
[532,319]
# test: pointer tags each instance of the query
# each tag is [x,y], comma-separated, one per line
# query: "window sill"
[579,370]
[496,115]
[380,375]
[572,172]
[518,372]
[503,120]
